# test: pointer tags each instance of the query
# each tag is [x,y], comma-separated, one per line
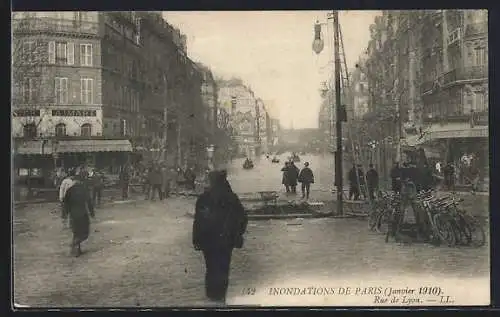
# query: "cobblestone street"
[140,254]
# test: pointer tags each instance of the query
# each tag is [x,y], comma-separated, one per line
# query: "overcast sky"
[272,52]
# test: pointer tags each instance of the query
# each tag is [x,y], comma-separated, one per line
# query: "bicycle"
[469,231]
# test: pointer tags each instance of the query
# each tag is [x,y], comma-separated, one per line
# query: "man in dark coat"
[155,181]
[293,177]
[284,180]
[396,178]
[353,183]
[306,178]
[78,206]
[124,181]
[97,185]
[219,224]
[372,181]
[190,177]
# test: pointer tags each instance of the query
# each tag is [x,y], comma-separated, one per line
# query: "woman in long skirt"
[78,206]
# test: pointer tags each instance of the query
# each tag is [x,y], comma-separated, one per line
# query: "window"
[61,52]
[28,51]
[29,90]
[479,102]
[86,54]
[60,129]
[61,90]
[361,88]
[29,130]
[87,85]
[86,129]
[480,56]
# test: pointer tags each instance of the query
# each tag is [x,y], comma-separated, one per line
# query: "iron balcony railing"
[476,28]
[465,73]
[28,25]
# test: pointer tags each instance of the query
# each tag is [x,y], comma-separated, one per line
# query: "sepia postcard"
[225,159]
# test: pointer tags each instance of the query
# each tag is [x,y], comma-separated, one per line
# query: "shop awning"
[34,147]
[80,146]
[431,134]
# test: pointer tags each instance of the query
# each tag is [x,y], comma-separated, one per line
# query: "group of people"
[357,185]
[292,176]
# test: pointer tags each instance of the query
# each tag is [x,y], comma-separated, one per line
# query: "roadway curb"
[280,217]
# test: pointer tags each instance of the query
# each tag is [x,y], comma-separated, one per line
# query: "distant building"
[244,108]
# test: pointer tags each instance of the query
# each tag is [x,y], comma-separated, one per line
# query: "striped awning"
[80,146]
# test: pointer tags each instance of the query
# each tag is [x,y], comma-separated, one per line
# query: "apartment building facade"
[107,74]
[428,68]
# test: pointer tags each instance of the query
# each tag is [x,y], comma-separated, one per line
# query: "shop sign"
[74,113]
[26,113]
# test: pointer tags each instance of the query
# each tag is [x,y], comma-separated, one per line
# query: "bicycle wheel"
[477,232]
[374,214]
[463,229]
[444,228]
[382,222]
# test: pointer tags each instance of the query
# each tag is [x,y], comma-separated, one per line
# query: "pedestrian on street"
[372,181]
[353,183]
[306,178]
[285,179]
[97,185]
[293,177]
[65,185]
[219,224]
[396,178]
[165,177]
[78,206]
[146,186]
[190,177]
[124,181]
[155,179]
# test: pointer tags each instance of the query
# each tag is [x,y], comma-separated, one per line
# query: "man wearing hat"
[306,178]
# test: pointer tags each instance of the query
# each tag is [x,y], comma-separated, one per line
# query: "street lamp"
[317,48]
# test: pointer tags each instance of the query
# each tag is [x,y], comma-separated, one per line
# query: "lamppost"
[318,46]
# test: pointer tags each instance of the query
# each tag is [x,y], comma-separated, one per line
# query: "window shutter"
[71,53]
[82,84]
[52,52]
[90,52]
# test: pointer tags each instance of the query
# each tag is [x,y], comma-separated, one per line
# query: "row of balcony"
[29,25]
[458,74]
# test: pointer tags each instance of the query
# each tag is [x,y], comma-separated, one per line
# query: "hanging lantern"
[318,43]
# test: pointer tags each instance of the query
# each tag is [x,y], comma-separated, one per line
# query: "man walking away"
[284,180]
[78,206]
[372,181]
[306,178]
[155,179]
[219,224]
[396,178]
[293,176]
[353,183]
[124,181]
